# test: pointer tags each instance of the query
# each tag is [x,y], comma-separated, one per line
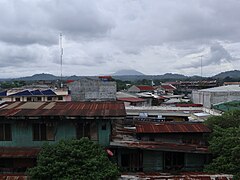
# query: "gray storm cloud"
[217,55]
[104,35]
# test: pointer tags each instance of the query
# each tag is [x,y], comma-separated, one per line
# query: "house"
[133,101]
[26,126]
[130,99]
[23,95]
[161,147]
[142,88]
[167,88]
[211,96]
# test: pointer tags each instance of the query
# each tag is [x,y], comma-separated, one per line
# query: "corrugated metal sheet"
[146,88]
[180,176]
[131,99]
[13,177]
[172,128]
[168,87]
[82,109]
[13,152]
[162,146]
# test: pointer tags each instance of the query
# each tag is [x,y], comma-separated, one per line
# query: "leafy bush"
[73,159]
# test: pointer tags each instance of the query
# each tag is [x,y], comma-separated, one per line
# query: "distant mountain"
[127,72]
[37,77]
[129,75]
[231,74]
[172,76]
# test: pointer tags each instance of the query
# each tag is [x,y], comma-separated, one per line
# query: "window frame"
[43,132]
[6,130]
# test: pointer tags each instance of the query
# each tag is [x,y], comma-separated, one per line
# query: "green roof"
[233,105]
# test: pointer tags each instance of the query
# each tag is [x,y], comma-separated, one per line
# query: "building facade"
[212,96]
[26,126]
[93,90]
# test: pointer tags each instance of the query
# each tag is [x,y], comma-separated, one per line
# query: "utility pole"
[201,67]
[61,56]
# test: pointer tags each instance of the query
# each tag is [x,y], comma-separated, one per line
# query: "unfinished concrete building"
[93,90]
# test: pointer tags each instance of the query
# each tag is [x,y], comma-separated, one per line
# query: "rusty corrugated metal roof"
[13,177]
[82,109]
[179,176]
[14,152]
[146,88]
[171,128]
[162,146]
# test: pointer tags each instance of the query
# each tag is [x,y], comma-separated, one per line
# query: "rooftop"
[146,88]
[228,88]
[171,128]
[74,109]
[131,99]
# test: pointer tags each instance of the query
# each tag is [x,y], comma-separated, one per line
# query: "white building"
[211,96]
[23,95]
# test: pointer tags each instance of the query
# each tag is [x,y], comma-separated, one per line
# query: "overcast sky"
[103,36]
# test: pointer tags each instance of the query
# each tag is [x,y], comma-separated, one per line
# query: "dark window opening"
[5,132]
[104,126]
[29,99]
[17,99]
[39,98]
[151,138]
[83,130]
[49,98]
[60,98]
[42,132]
[132,161]
[173,160]
[16,165]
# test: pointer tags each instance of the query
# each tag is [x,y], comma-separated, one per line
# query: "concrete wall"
[207,99]
[88,89]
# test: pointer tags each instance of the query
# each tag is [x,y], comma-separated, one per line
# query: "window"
[49,98]
[43,132]
[17,99]
[39,98]
[5,132]
[104,126]
[60,98]
[29,99]
[83,130]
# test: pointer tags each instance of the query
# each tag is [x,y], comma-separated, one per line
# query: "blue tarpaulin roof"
[22,93]
[4,93]
[49,92]
[36,92]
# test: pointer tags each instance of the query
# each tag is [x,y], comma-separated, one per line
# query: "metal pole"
[61,56]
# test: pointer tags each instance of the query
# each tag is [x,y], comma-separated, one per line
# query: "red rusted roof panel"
[169,87]
[162,146]
[172,128]
[82,109]
[12,152]
[146,88]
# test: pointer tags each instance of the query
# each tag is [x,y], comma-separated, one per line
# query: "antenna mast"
[61,55]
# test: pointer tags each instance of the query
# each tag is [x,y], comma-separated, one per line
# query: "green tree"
[225,143]
[73,159]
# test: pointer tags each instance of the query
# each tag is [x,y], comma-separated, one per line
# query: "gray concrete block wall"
[89,89]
